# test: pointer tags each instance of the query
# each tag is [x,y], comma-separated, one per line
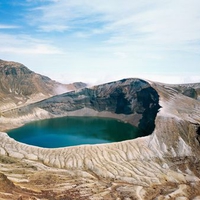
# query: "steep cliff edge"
[131,100]
[163,165]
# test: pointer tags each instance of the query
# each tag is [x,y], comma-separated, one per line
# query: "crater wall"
[131,100]
[162,165]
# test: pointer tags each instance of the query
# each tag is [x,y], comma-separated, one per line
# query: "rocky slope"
[191,90]
[162,165]
[19,86]
[131,100]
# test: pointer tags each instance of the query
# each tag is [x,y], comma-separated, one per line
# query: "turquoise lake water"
[72,131]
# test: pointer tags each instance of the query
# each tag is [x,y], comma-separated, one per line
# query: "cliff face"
[162,165]
[131,100]
[19,86]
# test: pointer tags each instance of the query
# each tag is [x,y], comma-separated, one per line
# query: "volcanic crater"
[162,164]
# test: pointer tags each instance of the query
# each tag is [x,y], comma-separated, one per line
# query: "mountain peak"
[9,68]
[19,85]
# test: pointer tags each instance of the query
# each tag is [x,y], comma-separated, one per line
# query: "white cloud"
[190,79]
[23,44]
[5,26]
[112,39]
[122,55]
[37,49]
[53,27]
[168,23]
[69,77]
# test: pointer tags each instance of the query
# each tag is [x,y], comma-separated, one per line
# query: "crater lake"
[72,131]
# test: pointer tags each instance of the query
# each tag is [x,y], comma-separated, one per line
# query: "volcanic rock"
[20,86]
[131,100]
[191,90]
[163,165]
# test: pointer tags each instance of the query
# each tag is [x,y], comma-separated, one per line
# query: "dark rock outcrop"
[191,90]
[163,165]
[133,98]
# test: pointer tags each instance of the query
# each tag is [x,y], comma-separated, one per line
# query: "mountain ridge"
[163,164]
[20,86]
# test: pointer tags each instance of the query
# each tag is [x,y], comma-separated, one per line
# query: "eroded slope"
[131,100]
[20,86]
[163,165]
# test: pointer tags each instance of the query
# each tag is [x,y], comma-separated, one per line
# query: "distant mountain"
[19,85]
[191,89]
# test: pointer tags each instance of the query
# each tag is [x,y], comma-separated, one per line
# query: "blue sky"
[96,41]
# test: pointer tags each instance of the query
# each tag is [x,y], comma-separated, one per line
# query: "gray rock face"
[162,165]
[129,97]
[133,98]
[191,90]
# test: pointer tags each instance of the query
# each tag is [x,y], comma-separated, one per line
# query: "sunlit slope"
[163,165]
[20,86]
